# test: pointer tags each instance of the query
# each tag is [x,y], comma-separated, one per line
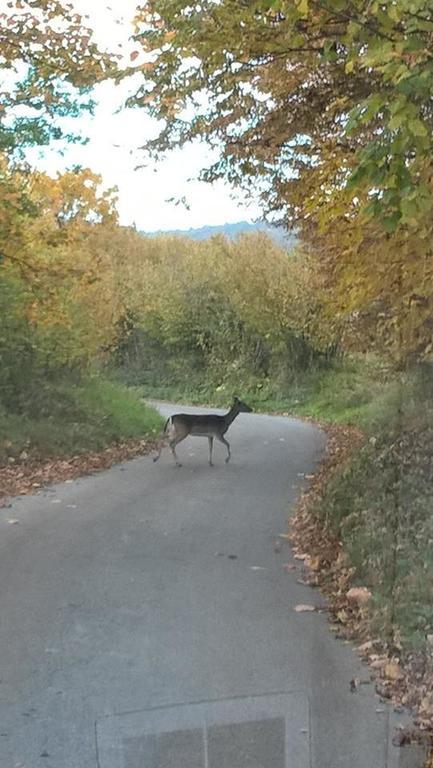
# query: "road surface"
[146,620]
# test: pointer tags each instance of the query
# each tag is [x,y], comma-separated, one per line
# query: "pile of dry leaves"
[27,476]
[404,678]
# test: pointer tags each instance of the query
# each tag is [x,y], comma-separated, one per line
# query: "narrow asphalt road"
[146,621]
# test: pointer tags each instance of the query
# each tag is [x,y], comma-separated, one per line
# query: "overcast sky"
[112,151]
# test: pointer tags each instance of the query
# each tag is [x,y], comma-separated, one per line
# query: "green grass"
[74,418]
[346,393]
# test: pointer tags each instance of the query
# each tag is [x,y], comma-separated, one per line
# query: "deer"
[210,425]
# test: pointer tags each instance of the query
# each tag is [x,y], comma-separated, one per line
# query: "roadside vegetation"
[379,506]
[76,417]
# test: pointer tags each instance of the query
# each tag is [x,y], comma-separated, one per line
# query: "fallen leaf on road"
[13,522]
[289,567]
[393,671]
[300,556]
[314,563]
[365,647]
[286,536]
[342,616]
[426,706]
[384,691]
[257,568]
[377,662]
[304,608]
[354,684]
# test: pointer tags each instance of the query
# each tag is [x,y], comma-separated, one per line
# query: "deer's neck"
[231,415]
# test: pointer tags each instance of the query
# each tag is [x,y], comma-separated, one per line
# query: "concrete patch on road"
[252,732]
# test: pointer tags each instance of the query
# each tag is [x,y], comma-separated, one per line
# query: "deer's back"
[200,424]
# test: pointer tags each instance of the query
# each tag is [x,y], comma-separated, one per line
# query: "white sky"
[112,151]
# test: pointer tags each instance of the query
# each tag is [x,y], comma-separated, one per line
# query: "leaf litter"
[406,679]
[28,475]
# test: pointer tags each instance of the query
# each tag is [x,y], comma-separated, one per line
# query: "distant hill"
[281,236]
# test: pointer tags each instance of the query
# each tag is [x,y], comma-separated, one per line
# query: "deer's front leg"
[227,444]
[210,440]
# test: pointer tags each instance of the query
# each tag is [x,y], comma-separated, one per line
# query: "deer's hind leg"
[159,450]
[161,444]
[177,434]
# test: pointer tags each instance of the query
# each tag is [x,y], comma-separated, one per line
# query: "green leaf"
[417,128]
[409,208]
[397,120]
[390,223]
[303,7]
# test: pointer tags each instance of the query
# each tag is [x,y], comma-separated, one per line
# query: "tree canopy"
[337,94]
[324,108]
[49,62]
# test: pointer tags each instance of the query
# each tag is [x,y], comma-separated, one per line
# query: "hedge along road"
[146,620]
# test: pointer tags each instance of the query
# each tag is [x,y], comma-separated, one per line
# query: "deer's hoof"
[227,459]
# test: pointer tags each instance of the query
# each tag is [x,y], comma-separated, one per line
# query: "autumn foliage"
[323,111]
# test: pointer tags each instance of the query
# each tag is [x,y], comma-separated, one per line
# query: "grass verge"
[379,506]
[366,524]
[346,393]
[72,418]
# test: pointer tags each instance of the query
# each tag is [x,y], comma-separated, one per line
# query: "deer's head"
[240,406]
